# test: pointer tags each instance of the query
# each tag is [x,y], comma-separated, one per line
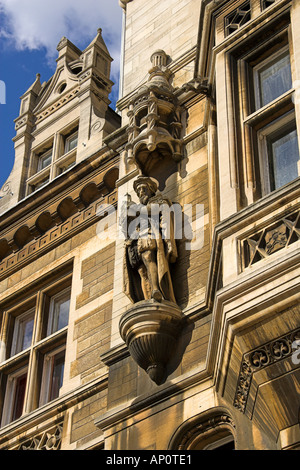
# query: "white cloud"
[36,24]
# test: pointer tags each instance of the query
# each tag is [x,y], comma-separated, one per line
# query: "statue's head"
[145,188]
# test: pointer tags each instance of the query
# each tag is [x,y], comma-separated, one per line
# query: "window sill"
[39,175]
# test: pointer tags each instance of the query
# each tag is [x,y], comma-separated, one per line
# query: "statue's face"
[144,193]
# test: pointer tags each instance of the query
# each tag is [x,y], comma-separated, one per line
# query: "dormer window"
[40,184]
[71,142]
[45,160]
[52,158]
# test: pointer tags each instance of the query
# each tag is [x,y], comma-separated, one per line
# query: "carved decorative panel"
[271,239]
[46,440]
[237,18]
[259,358]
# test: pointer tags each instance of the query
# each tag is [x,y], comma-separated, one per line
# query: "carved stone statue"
[150,244]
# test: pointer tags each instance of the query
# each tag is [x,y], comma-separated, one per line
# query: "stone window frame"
[253,125]
[34,357]
[62,158]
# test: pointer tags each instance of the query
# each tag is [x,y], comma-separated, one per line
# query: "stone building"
[149,294]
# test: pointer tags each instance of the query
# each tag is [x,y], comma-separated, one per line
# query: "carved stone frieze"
[56,223]
[259,358]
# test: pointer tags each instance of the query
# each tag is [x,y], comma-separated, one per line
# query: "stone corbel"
[197,85]
[151,329]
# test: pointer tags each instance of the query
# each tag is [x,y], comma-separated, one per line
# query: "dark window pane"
[237,18]
[19,397]
[227,446]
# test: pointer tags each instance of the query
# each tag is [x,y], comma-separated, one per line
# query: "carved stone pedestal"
[150,329]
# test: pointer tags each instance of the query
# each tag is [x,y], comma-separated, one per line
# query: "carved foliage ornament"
[255,360]
[6,189]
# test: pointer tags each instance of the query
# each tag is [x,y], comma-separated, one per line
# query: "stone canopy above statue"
[154,129]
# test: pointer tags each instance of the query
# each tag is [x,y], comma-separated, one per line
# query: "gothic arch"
[204,430]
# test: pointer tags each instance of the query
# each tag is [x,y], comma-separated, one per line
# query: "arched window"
[212,430]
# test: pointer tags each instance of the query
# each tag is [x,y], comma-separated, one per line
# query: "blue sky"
[29,33]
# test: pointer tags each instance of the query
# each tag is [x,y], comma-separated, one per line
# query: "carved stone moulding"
[150,329]
[253,361]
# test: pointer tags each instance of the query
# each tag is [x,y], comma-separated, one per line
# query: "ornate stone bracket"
[150,329]
[154,117]
[198,85]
